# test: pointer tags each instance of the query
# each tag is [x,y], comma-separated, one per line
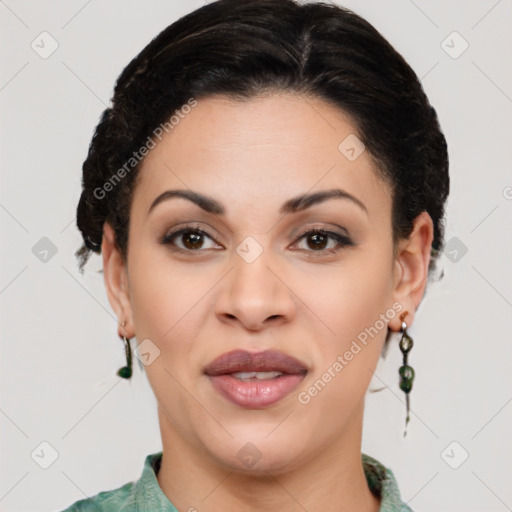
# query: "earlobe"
[116,282]
[411,267]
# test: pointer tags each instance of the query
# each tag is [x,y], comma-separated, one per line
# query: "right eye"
[189,239]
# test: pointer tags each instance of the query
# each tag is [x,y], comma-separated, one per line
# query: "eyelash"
[342,240]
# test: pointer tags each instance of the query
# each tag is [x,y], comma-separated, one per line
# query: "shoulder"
[382,483]
[131,496]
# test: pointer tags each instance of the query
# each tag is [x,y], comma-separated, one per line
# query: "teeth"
[256,375]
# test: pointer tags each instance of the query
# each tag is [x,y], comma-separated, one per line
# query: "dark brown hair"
[243,48]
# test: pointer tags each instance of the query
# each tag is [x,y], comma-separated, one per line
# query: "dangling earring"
[126,371]
[405,371]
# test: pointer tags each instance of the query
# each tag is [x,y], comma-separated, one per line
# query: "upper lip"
[244,361]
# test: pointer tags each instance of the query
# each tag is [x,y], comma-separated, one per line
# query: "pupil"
[192,240]
[319,241]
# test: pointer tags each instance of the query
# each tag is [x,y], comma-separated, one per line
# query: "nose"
[255,295]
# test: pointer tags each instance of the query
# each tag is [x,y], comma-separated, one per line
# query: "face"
[260,271]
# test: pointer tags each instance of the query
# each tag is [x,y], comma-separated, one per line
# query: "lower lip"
[255,394]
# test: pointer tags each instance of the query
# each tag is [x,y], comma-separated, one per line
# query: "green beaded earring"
[126,371]
[405,371]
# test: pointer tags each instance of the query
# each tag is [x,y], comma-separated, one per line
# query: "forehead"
[262,151]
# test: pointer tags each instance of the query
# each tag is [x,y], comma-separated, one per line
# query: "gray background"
[60,350]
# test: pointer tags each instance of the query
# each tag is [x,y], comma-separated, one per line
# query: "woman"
[267,192]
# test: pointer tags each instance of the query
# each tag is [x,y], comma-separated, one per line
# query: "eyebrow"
[295,204]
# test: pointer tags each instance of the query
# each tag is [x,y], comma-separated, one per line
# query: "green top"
[145,495]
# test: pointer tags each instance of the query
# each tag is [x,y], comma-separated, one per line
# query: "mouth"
[255,380]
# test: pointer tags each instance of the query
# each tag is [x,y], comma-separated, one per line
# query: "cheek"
[351,297]
[354,306]
[168,300]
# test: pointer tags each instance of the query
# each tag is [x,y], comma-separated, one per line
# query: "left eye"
[319,240]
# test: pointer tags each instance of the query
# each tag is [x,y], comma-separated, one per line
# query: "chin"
[254,452]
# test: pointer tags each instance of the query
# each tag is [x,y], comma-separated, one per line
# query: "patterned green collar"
[382,483]
[145,494]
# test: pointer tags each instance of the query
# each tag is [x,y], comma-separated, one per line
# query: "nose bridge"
[251,280]
[253,293]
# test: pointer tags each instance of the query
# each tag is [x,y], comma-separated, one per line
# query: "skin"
[311,304]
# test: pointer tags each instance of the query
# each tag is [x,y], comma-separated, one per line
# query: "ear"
[116,281]
[411,268]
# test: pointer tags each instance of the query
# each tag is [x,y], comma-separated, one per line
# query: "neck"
[333,480]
